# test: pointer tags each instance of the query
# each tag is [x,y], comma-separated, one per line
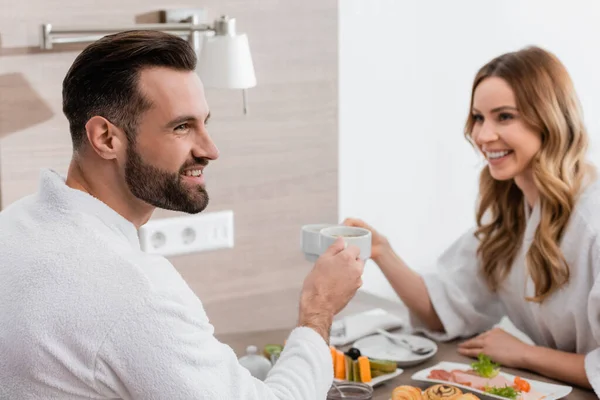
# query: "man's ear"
[106,139]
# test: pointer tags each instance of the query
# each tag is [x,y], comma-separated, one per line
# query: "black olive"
[353,353]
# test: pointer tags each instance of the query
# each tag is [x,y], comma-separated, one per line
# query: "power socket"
[188,234]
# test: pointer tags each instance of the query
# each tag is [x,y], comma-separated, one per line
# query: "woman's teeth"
[195,172]
[496,154]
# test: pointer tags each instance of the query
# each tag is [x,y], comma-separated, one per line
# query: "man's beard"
[161,188]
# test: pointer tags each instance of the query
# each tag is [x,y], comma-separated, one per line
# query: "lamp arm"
[51,35]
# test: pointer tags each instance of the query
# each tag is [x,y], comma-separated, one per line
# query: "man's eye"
[182,127]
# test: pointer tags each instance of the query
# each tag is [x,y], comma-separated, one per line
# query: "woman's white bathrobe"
[85,314]
[569,320]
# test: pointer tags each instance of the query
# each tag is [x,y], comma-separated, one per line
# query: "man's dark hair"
[103,80]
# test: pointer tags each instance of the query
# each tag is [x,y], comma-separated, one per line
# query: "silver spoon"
[403,342]
[342,395]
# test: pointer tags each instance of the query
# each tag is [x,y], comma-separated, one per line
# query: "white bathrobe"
[85,314]
[569,320]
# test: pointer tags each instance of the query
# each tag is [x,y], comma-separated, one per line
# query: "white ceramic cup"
[310,240]
[352,236]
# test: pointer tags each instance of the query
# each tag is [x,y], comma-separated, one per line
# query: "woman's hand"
[499,345]
[379,243]
[408,284]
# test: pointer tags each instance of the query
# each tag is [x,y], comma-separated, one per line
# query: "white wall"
[406,69]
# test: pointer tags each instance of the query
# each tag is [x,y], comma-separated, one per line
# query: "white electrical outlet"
[187,234]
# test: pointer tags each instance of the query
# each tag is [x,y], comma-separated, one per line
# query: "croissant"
[442,392]
[407,393]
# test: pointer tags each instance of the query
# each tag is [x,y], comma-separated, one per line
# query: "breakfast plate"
[380,379]
[463,376]
[381,348]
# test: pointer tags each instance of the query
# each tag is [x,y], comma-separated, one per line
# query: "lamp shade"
[225,62]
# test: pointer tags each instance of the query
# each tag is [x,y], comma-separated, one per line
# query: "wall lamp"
[224,58]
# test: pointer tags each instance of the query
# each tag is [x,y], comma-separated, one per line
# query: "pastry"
[467,396]
[407,393]
[442,392]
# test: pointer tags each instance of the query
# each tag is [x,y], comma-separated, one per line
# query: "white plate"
[381,348]
[380,379]
[551,391]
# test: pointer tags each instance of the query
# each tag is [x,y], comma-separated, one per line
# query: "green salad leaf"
[507,391]
[485,367]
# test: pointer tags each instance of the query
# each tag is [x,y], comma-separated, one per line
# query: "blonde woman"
[534,254]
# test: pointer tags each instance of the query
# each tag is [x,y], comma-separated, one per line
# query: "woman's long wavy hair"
[547,101]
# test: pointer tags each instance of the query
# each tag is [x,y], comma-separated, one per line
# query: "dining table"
[447,351]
